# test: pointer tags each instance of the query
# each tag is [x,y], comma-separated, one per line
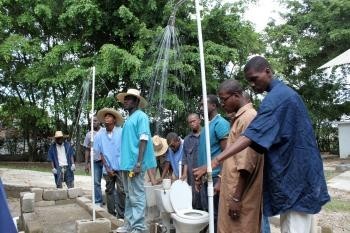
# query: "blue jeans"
[135,201]
[265,226]
[98,166]
[64,174]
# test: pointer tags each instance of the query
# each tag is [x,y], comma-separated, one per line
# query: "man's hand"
[54,171]
[72,168]
[197,185]
[235,206]
[137,169]
[159,180]
[110,172]
[87,168]
[199,172]
[217,186]
[183,177]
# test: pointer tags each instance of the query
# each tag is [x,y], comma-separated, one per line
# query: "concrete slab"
[341,182]
[54,195]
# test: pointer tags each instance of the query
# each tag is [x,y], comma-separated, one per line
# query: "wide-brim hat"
[102,113]
[59,134]
[160,145]
[133,92]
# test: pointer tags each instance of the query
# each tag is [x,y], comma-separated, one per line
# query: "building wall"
[344,139]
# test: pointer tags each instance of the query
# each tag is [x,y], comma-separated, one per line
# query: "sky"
[261,12]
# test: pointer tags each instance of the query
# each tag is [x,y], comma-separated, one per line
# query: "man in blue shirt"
[173,156]
[61,156]
[98,166]
[219,129]
[294,182]
[137,157]
[108,145]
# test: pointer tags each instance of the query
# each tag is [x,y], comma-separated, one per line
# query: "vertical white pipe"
[206,120]
[92,145]
[180,168]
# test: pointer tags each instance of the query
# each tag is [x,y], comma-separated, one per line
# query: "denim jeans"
[98,166]
[115,196]
[135,201]
[265,226]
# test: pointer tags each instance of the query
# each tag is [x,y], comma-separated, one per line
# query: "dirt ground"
[338,221]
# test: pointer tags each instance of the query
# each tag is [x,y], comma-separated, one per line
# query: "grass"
[329,174]
[337,205]
[41,167]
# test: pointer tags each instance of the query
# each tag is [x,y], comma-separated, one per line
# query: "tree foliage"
[313,33]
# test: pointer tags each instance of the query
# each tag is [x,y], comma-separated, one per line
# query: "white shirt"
[61,154]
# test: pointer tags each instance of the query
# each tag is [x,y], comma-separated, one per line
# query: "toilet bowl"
[178,202]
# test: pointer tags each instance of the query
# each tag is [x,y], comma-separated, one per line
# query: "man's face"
[229,102]
[109,119]
[211,107]
[59,140]
[194,122]
[174,145]
[259,80]
[95,122]
[130,102]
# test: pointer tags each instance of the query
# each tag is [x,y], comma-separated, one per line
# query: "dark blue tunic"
[293,172]
[6,222]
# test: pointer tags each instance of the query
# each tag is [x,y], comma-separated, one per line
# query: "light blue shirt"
[109,145]
[175,158]
[219,129]
[136,125]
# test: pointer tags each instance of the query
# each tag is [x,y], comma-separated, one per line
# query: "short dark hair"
[213,99]
[231,86]
[172,136]
[193,114]
[257,63]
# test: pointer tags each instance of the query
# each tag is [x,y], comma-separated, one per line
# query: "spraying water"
[165,72]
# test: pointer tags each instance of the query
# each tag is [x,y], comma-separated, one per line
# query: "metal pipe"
[206,120]
[92,145]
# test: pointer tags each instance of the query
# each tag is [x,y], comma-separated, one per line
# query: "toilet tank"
[163,200]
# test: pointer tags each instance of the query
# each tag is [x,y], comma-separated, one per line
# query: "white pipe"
[92,144]
[180,168]
[206,120]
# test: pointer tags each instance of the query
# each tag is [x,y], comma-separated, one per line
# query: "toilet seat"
[192,214]
[180,196]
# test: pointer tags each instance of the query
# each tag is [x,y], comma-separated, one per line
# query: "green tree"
[313,33]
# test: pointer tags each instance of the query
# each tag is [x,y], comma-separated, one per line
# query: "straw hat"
[102,113]
[133,92]
[160,145]
[59,134]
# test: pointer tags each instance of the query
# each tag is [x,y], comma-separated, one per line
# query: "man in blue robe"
[294,182]
[6,222]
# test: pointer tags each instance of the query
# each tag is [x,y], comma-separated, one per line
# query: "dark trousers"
[64,174]
[115,195]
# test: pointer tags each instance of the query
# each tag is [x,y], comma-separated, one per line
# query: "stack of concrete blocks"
[43,197]
[100,225]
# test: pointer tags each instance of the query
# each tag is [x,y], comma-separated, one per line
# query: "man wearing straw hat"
[108,144]
[137,157]
[160,148]
[61,156]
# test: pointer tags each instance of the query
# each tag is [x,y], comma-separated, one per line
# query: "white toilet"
[178,202]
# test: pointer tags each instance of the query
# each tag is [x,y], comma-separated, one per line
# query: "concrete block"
[327,230]
[44,203]
[27,202]
[65,202]
[53,195]
[75,192]
[115,222]
[38,193]
[100,225]
[31,225]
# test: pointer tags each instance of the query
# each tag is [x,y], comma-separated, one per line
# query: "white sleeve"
[144,137]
